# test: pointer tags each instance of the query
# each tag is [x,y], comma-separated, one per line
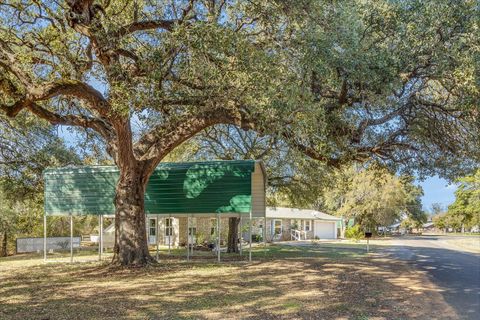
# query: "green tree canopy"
[27,147]
[465,211]
[373,196]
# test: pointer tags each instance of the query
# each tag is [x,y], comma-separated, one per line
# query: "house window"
[277,227]
[169,227]
[152,230]
[192,229]
[308,225]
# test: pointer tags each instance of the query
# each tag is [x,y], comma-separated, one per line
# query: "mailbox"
[368,234]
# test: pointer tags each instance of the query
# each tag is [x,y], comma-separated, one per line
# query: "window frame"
[168,227]
[275,227]
[309,222]
[152,228]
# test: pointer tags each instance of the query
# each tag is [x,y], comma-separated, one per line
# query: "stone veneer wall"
[257,229]
[203,232]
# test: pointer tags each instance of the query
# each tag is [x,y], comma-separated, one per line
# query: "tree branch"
[50,90]
[145,25]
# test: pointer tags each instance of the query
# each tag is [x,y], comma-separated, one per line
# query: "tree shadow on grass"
[316,283]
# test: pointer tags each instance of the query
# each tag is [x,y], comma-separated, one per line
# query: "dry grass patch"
[290,283]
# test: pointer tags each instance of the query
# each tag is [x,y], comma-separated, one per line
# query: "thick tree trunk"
[3,245]
[233,234]
[131,247]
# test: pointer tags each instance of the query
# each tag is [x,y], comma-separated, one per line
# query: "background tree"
[373,197]
[413,202]
[437,208]
[465,211]
[440,221]
[27,147]
[393,81]
[8,220]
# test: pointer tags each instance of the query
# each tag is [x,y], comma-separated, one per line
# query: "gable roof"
[295,213]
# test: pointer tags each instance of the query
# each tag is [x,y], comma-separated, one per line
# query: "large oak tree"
[339,81]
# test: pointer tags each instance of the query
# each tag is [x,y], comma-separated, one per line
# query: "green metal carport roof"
[174,188]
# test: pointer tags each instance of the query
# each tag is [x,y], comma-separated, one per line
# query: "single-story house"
[283,224]
[300,224]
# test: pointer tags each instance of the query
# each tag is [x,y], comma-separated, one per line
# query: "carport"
[192,189]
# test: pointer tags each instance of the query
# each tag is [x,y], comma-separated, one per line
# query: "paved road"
[453,270]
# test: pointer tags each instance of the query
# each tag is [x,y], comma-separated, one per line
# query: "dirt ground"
[312,282]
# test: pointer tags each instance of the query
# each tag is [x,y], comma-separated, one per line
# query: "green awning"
[174,188]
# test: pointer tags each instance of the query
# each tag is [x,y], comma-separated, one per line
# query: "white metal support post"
[99,249]
[100,240]
[218,237]
[171,232]
[188,238]
[265,236]
[193,242]
[71,237]
[250,237]
[45,237]
[240,234]
[157,235]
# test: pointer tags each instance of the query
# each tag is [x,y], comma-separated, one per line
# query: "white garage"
[325,229]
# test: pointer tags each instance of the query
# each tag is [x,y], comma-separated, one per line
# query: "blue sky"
[437,190]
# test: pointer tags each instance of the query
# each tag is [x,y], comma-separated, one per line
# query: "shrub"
[257,238]
[354,233]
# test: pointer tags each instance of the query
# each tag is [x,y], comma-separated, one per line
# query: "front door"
[152,230]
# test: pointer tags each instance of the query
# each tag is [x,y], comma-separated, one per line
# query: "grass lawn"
[312,282]
[469,244]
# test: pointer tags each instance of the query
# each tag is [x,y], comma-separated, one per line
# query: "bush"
[257,238]
[354,233]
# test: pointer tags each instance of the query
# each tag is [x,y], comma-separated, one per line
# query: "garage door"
[325,230]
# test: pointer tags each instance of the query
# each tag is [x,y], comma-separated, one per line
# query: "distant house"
[300,224]
[394,228]
[429,226]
